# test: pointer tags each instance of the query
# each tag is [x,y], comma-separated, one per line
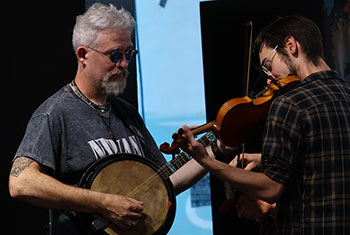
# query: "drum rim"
[101,163]
[92,171]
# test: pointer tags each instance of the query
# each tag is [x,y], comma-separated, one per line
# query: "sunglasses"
[116,55]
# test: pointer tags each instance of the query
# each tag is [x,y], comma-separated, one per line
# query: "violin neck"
[204,128]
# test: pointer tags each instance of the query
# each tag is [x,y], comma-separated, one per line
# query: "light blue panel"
[171,58]
[171,79]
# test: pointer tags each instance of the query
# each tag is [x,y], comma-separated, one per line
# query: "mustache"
[115,87]
[123,72]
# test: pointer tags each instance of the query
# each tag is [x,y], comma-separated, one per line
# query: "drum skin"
[135,177]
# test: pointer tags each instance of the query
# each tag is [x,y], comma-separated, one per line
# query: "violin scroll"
[174,148]
[166,148]
[179,137]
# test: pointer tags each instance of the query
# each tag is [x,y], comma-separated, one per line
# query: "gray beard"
[114,87]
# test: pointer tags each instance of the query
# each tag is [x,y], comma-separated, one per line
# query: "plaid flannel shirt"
[306,147]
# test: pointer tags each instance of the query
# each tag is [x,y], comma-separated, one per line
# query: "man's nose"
[123,62]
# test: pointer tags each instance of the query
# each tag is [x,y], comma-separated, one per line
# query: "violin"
[238,118]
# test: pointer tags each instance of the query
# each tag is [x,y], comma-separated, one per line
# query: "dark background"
[222,26]
[38,59]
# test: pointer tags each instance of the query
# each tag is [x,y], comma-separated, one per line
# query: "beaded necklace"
[99,108]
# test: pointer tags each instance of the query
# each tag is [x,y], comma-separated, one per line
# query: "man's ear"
[81,54]
[292,46]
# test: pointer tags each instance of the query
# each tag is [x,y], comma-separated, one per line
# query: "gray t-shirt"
[67,135]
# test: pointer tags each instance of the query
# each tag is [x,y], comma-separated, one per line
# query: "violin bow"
[231,193]
[248,39]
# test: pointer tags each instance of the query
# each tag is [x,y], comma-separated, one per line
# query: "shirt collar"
[322,75]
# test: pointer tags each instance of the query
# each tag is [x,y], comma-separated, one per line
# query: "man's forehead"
[118,39]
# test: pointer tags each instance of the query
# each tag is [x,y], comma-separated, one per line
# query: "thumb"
[250,166]
[233,162]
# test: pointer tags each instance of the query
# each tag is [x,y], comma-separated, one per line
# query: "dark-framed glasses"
[269,58]
[116,55]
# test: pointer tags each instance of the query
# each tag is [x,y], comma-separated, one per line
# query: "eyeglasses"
[263,66]
[116,55]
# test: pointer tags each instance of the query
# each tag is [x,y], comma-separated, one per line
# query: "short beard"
[114,87]
[291,66]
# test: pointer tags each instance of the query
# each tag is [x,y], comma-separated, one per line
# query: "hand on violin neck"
[178,138]
[191,146]
[179,134]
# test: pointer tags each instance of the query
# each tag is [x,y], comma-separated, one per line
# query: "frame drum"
[135,177]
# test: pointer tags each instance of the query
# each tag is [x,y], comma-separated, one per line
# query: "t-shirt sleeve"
[282,141]
[37,142]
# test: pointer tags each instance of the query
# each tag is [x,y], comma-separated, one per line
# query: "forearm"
[254,184]
[187,176]
[29,183]
[40,189]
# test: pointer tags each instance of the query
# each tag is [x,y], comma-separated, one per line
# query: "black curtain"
[222,25]
[38,60]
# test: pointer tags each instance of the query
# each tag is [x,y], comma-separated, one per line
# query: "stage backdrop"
[38,60]
[222,25]
[171,90]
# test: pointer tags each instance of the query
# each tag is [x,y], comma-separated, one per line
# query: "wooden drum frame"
[135,177]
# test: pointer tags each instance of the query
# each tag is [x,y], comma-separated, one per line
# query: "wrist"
[98,201]
[216,151]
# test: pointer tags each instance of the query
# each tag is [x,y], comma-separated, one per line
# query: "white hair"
[100,18]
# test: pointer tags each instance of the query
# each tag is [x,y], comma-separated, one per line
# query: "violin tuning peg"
[175,136]
[178,135]
[181,132]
